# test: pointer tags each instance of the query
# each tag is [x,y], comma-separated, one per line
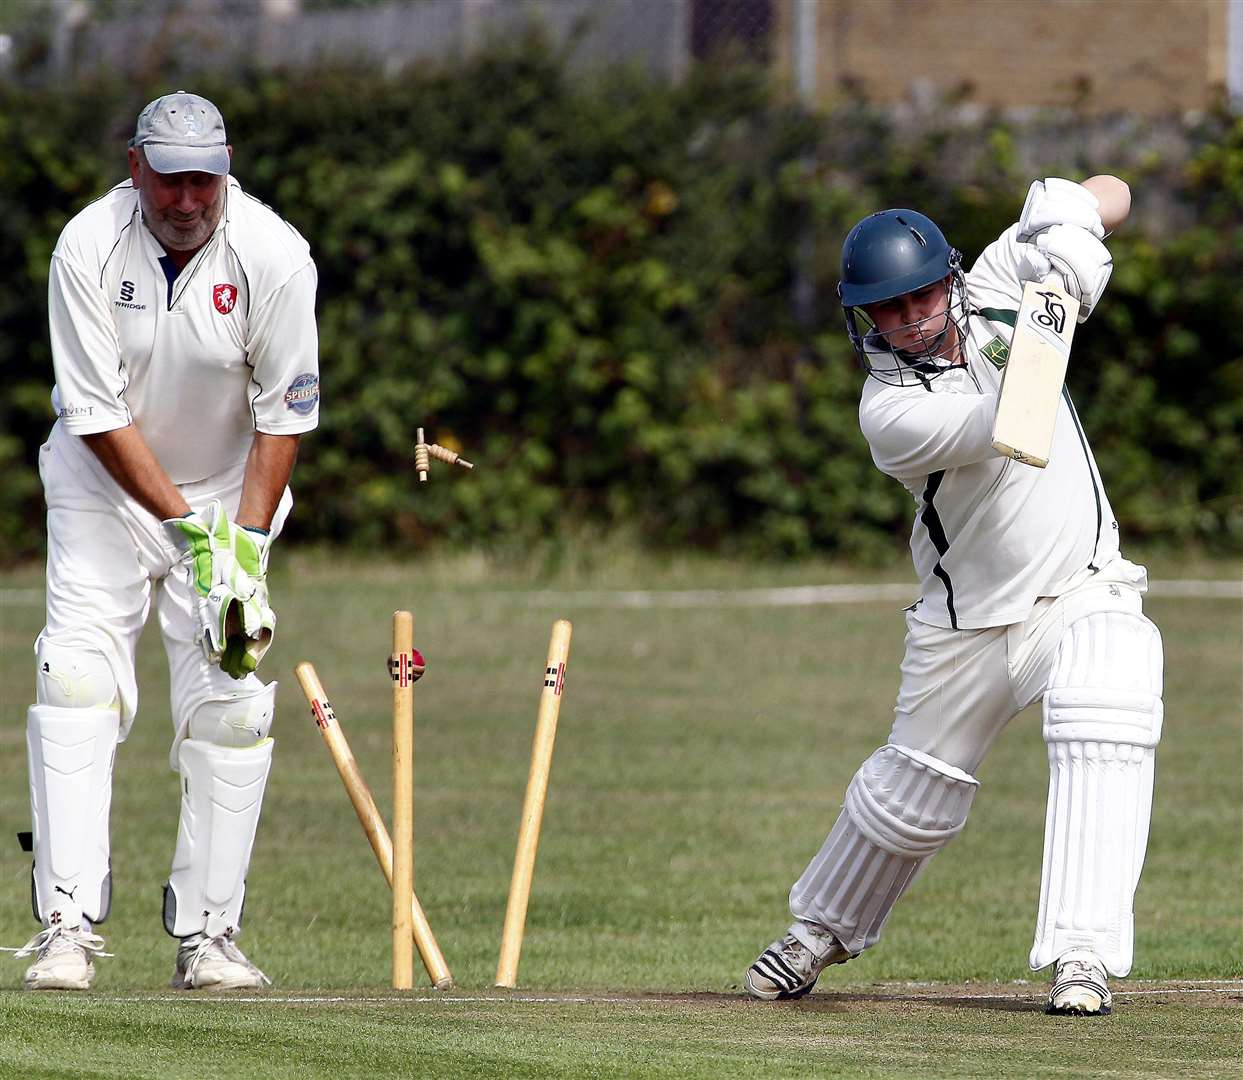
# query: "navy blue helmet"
[887,254]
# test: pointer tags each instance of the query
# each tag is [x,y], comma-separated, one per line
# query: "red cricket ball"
[418,665]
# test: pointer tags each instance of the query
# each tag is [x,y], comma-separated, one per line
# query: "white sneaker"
[1080,986]
[64,960]
[790,966]
[215,963]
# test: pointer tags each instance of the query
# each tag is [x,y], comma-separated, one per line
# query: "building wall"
[1150,56]
[1146,56]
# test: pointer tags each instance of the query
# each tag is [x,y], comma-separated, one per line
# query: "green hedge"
[587,286]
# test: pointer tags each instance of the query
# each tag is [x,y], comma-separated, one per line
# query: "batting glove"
[1080,259]
[1055,201]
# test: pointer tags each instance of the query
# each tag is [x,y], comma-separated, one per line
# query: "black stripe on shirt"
[103,270]
[1096,491]
[936,533]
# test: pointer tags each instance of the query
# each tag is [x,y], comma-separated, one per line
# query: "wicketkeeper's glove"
[228,568]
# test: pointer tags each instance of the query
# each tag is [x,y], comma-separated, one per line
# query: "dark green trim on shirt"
[1004,315]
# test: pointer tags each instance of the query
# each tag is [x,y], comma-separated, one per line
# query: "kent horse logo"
[224,297]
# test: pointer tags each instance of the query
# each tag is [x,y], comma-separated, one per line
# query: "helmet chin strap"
[932,351]
[929,352]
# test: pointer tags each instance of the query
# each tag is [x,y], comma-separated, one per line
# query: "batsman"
[185,352]
[1025,597]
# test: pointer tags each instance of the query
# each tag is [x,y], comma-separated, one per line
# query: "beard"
[179,233]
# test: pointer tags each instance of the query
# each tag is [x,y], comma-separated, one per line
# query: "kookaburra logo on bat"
[1054,314]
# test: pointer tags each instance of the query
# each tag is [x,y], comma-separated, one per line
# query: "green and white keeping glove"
[228,568]
[244,650]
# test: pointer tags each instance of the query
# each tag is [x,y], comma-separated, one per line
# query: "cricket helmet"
[888,254]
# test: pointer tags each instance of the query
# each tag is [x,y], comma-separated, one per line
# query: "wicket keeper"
[186,360]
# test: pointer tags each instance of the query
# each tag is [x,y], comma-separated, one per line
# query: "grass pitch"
[701,756]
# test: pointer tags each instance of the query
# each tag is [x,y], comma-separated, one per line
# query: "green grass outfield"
[705,742]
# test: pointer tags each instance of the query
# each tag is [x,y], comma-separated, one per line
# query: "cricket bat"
[1031,385]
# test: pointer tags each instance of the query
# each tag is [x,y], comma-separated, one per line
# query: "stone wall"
[1146,56]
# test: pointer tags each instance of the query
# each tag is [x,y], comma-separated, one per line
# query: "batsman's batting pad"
[1102,721]
[901,808]
[221,796]
[71,753]
[241,718]
[72,677]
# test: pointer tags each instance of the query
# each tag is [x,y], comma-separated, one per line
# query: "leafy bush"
[589,289]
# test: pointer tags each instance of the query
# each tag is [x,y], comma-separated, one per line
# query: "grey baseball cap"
[182,132]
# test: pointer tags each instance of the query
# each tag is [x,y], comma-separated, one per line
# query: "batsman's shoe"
[64,959]
[790,966]
[1080,986]
[215,963]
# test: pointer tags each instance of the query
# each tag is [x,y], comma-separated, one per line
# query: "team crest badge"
[996,352]
[224,297]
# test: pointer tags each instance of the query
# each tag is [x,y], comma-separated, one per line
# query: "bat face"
[1031,386]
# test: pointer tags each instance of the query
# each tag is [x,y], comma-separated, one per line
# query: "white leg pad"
[221,796]
[1102,721]
[71,753]
[901,808]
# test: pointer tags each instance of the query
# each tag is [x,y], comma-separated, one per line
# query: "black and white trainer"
[1080,986]
[790,966]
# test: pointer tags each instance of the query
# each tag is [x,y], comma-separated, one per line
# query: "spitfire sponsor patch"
[224,296]
[997,352]
[303,394]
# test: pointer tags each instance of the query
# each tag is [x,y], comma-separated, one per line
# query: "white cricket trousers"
[108,560]
[960,688]
[1097,662]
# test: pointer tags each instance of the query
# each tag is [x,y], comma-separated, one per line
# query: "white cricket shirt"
[990,535]
[197,360]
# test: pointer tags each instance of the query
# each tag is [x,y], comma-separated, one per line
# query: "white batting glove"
[1055,201]
[1080,259]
